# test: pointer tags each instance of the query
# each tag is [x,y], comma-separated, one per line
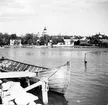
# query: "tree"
[60,39]
[6,39]
[35,38]
[96,39]
[44,40]
[28,39]
[1,41]
[54,40]
[13,36]
[23,40]
[77,42]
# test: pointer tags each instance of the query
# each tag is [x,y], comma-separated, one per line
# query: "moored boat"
[58,77]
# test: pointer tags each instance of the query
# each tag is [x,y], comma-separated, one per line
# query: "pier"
[10,91]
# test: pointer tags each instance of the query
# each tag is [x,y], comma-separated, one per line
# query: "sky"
[69,17]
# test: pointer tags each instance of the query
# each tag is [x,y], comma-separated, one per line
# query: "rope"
[58,70]
[53,74]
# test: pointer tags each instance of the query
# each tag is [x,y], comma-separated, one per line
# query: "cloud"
[24,8]
[13,9]
[66,15]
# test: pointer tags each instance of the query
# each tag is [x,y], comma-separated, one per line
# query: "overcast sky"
[80,17]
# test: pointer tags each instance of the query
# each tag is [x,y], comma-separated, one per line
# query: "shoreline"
[55,46]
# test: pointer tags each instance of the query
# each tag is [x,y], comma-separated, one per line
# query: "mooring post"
[85,61]
[45,92]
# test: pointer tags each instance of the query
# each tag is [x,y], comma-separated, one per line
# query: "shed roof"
[104,40]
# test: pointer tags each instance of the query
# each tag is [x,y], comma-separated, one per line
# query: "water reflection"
[57,99]
[53,97]
[85,65]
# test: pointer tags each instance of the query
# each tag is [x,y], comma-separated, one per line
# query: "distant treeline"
[98,40]
[34,39]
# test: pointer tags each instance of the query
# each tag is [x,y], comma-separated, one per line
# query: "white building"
[15,42]
[69,42]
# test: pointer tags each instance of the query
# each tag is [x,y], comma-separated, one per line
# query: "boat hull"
[58,77]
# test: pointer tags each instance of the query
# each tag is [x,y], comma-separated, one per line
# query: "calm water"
[88,86]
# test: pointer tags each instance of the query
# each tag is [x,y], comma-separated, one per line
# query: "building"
[83,41]
[69,42]
[103,43]
[38,34]
[44,31]
[15,42]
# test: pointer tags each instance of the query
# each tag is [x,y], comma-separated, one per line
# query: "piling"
[45,92]
[85,61]
[44,85]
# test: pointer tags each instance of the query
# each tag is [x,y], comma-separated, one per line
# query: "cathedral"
[44,31]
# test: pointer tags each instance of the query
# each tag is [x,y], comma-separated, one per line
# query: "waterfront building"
[69,41]
[50,43]
[83,41]
[15,42]
[103,42]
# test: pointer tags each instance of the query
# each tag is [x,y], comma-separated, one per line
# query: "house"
[15,42]
[50,43]
[69,42]
[83,41]
[104,42]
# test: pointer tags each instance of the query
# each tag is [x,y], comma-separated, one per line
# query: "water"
[89,84]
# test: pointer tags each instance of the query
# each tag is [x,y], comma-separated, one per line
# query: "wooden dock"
[43,83]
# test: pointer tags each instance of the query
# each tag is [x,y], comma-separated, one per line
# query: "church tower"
[44,31]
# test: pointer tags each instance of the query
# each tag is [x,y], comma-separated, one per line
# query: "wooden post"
[85,61]
[44,85]
[45,92]
[28,81]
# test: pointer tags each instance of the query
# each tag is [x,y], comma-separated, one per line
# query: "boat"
[58,77]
